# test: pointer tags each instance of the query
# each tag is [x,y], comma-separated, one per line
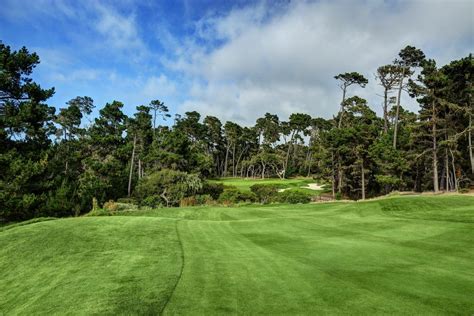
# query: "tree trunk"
[240,157]
[363,179]
[395,125]
[163,195]
[469,136]
[446,166]
[263,170]
[454,171]
[342,107]
[339,178]
[290,143]
[333,188]
[333,176]
[310,157]
[233,161]
[154,123]
[67,153]
[385,111]
[339,170]
[435,154]
[218,168]
[225,162]
[131,166]
[139,168]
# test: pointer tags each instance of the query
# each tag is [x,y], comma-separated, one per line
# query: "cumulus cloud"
[119,30]
[267,56]
[158,86]
[248,62]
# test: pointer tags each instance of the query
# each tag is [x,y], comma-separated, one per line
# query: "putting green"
[403,255]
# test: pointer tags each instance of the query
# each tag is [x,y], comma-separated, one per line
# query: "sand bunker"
[313,186]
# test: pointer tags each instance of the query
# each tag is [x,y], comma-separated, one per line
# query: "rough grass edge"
[27,222]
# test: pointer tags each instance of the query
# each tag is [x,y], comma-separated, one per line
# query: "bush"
[59,203]
[265,193]
[167,187]
[233,195]
[151,201]
[293,197]
[110,206]
[229,196]
[126,207]
[247,197]
[204,199]
[127,201]
[212,189]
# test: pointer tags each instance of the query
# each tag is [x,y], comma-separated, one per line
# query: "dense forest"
[55,163]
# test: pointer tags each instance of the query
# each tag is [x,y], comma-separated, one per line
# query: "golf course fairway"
[398,255]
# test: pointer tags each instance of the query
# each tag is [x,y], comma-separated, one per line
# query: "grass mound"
[89,266]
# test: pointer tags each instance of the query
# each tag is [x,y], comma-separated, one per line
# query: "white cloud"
[286,63]
[134,91]
[158,87]
[119,30]
[77,75]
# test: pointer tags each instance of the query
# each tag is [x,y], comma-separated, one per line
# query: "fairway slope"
[399,255]
[102,265]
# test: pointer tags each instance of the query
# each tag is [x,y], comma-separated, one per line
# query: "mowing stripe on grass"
[180,271]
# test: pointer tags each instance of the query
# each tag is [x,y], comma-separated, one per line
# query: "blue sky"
[233,59]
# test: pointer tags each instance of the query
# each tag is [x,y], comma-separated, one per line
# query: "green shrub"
[58,203]
[247,197]
[233,195]
[167,187]
[265,193]
[212,189]
[126,207]
[204,199]
[293,197]
[151,201]
[229,196]
[127,200]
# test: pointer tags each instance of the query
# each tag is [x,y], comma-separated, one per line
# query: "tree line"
[55,163]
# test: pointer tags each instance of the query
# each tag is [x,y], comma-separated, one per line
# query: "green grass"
[244,184]
[399,255]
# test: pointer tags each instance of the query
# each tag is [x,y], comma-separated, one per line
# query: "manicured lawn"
[400,255]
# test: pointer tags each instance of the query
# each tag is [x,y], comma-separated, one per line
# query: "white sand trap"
[313,186]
